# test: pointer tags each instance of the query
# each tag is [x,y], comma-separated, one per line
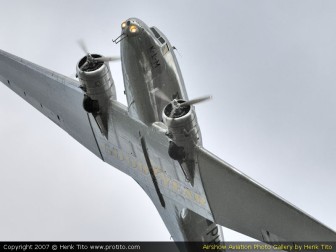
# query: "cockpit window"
[162,40]
[157,35]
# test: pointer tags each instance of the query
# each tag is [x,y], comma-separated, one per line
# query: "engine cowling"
[182,125]
[96,81]
[185,135]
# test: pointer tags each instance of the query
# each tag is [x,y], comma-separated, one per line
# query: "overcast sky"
[270,66]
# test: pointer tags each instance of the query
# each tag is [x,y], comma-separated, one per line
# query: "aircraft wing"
[239,203]
[56,96]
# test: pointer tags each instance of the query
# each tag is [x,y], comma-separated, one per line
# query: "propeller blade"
[82,45]
[106,59]
[171,116]
[197,100]
[84,65]
[158,93]
[172,112]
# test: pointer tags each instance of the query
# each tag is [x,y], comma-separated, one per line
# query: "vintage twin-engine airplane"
[157,141]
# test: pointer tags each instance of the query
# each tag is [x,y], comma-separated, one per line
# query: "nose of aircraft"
[132,27]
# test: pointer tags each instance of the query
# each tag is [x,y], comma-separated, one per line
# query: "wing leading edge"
[241,204]
[56,96]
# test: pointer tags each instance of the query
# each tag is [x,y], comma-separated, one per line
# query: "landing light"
[133,29]
[123,25]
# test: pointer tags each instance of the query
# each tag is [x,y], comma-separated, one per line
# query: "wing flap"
[241,204]
[56,96]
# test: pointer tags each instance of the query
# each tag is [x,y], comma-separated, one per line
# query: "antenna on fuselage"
[121,37]
[174,48]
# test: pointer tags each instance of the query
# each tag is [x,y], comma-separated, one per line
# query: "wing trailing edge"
[241,204]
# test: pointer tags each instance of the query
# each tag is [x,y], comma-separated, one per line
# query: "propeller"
[178,105]
[196,100]
[82,45]
[158,93]
[90,58]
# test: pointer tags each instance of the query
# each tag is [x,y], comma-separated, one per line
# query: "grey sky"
[270,66]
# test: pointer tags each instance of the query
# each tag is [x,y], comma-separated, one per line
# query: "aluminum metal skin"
[148,64]
[157,141]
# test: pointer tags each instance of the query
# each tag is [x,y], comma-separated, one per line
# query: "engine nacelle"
[184,132]
[182,126]
[96,80]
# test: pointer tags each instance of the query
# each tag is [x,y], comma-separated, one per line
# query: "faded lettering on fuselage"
[154,59]
[165,180]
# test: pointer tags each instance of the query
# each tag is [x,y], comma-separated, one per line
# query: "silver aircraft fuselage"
[149,64]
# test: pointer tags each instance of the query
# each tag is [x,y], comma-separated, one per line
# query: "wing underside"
[56,96]
[239,203]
